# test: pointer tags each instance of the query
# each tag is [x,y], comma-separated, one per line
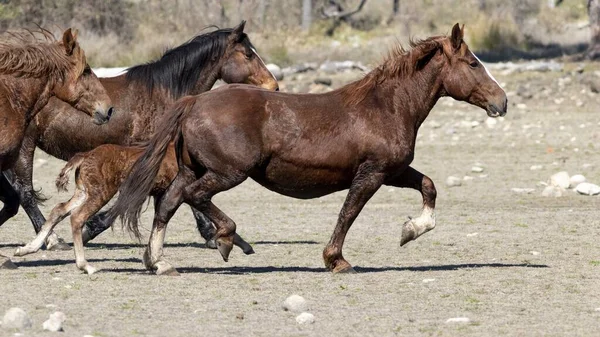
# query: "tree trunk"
[306,14]
[594,12]
[396,9]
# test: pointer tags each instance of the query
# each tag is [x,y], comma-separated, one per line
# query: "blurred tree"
[594,12]
[306,14]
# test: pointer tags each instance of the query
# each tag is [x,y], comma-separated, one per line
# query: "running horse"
[34,67]
[141,97]
[358,137]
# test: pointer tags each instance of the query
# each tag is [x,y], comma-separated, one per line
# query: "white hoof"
[90,270]
[22,251]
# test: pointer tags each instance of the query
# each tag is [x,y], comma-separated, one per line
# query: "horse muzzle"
[102,117]
[494,110]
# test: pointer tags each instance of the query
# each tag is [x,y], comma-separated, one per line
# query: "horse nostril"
[277,89]
[110,112]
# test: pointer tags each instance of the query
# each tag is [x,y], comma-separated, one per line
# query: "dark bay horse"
[140,96]
[33,68]
[359,137]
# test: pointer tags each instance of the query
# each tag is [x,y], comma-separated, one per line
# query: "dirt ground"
[514,264]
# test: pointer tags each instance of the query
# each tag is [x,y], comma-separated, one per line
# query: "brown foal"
[359,137]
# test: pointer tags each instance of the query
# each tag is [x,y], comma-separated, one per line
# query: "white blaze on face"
[486,69]
[263,62]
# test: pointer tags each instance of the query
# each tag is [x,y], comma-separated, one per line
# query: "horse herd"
[171,138]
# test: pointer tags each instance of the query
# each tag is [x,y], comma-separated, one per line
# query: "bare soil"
[514,264]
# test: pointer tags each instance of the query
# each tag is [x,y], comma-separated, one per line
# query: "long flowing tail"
[138,185]
[62,181]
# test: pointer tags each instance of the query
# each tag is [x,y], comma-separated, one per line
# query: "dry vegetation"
[126,32]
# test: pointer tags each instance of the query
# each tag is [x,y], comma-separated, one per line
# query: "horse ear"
[69,41]
[237,32]
[457,36]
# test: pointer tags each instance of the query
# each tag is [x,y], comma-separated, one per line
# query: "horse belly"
[302,182]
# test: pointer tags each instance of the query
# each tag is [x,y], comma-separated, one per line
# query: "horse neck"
[27,95]
[424,90]
[207,79]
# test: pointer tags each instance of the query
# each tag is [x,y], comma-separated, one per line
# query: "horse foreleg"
[207,231]
[9,197]
[364,185]
[413,228]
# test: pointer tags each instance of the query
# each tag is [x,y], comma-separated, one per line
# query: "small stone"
[295,303]
[458,320]
[587,189]
[553,191]
[536,167]
[477,169]
[453,181]
[576,180]
[16,318]
[6,263]
[40,162]
[239,316]
[468,178]
[491,122]
[276,71]
[534,253]
[305,318]
[522,190]
[323,80]
[470,235]
[427,280]
[55,322]
[561,179]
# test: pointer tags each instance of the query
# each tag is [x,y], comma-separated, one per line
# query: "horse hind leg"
[207,231]
[58,213]
[415,227]
[10,198]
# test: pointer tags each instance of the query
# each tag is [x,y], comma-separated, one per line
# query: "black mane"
[178,70]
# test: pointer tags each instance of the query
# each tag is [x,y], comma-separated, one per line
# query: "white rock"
[587,189]
[276,71]
[534,253]
[522,190]
[536,167]
[553,191]
[295,303]
[427,280]
[470,235]
[453,181]
[576,180]
[305,318]
[54,323]
[477,169]
[468,178]
[458,320]
[491,122]
[16,318]
[561,179]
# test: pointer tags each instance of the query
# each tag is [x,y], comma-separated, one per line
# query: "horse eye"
[87,70]
[474,64]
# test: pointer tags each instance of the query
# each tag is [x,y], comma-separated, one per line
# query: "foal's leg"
[413,228]
[207,230]
[58,213]
[364,185]
[78,218]
[10,198]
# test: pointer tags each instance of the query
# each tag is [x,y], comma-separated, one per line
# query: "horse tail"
[62,181]
[138,185]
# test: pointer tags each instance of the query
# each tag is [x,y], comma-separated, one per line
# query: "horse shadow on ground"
[360,270]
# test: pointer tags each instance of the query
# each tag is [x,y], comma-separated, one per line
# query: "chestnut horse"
[140,96]
[33,68]
[98,174]
[358,137]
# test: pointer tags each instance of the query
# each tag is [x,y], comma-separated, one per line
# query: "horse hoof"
[90,270]
[248,250]
[211,244]
[224,248]
[345,270]
[408,233]
[20,251]
[58,245]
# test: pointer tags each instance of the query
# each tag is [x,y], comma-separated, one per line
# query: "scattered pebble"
[453,181]
[522,190]
[477,169]
[16,318]
[472,235]
[536,167]
[468,178]
[55,322]
[295,303]
[587,189]
[534,253]
[553,191]
[458,320]
[576,180]
[561,179]
[427,280]
[305,318]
